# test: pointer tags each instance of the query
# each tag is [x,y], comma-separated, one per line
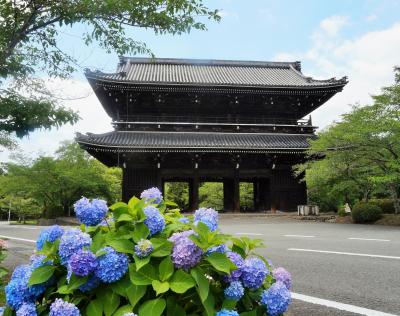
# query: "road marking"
[368,239]
[340,306]
[300,236]
[249,234]
[345,253]
[15,238]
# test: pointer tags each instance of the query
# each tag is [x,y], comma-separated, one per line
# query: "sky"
[332,38]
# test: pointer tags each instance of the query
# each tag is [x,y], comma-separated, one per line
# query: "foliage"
[118,266]
[179,193]
[54,183]
[246,196]
[360,154]
[30,34]
[211,194]
[386,205]
[366,213]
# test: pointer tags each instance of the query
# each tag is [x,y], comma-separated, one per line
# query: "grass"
[28,222]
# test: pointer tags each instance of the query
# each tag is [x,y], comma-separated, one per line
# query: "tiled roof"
[194,141]
[212,73]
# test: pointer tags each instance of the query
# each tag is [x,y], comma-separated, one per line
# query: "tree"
[178,192]
[29,45]
[363,147]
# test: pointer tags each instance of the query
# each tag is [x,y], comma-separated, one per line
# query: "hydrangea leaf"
[111,303]
[41,274]
[125,218]
[135,293]
[160,287]
[144,276]
[122,245]
[203,285]
[220,262]
[119,206]
[181,282]
[251,313]
[140,262]
[126,309]
[98,241]
[153,307]
[166,269]
[95,307]
[120,286]
[173,309]
[229,304]
[163,251]
[209,305]
[141,232]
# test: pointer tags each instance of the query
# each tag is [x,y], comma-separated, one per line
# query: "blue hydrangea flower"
[238,261]
[154,220]
[39,260]
[143,248]
[129,314]
[62,308]
[20,272]
[281,275]
[49,234]
[226,312]
[91,284]
[220,248]
[2,310]
[207,216]
[234,291]
[276,299]
[71,242]
[90,213]
[153,195]
[184,220]
[112,266]
[27,309]
[82,263]
[185,253]
[254,272]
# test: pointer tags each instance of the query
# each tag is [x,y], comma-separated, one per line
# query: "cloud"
[367,60]
[332,25]
[229,14]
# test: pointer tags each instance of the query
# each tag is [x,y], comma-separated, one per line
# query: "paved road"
[362,272]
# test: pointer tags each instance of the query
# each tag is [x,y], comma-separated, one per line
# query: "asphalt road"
[357,265]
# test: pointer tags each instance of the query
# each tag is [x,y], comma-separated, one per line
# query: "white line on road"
[15,238]
[249,234]
[345,253]
[300,236]
[340,306]
[368,239]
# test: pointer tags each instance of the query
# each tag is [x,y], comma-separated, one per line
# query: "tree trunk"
[395,197]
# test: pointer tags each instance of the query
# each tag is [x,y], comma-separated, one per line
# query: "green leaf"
[125,218]
[120,286]
[163,251]
[111,303]
[166,269]
[152,307]
[8,311]
[144,276]
[209,305]
[123,310]
[141,232]
[251,313]
[160,287]
[173,309]
[95,307]
[122,245]
[140,262]
[118,206]
[229,304]
[181,282]
[41,274]
[98,242]
[132,202]
[203,285]
[220,262]
[135,293]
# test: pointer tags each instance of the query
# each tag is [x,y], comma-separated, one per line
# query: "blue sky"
[357,38]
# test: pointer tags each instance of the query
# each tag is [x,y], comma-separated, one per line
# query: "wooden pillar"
[194,193]
[256,195]
[236,191]
[228,194]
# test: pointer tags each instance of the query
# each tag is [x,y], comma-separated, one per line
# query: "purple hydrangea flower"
[238,261]
[154,220]
[153,195]
[184,220]
[185,253]
[91,284]
[254,272]
[112,266]
[220,248]
[82,263]
[90,213]
[49,234]
[282,275]
[71,242]
[27,309]
[276,299]
[226,312]
[143,248]
[62,308]
[234,291]
[207,216]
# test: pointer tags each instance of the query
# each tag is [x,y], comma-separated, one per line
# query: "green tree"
[211,194]
[29,48]
[362,150]
[178,192]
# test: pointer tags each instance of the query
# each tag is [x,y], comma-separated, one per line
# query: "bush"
[342,212]
[366,213]
[144,257]
[386,205]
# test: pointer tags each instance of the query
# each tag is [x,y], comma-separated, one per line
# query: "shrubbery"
[145,258]
[366,213]
[386,205]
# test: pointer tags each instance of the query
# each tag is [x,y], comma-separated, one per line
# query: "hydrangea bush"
[144,258]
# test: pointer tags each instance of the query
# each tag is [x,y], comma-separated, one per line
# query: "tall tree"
[29,48]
